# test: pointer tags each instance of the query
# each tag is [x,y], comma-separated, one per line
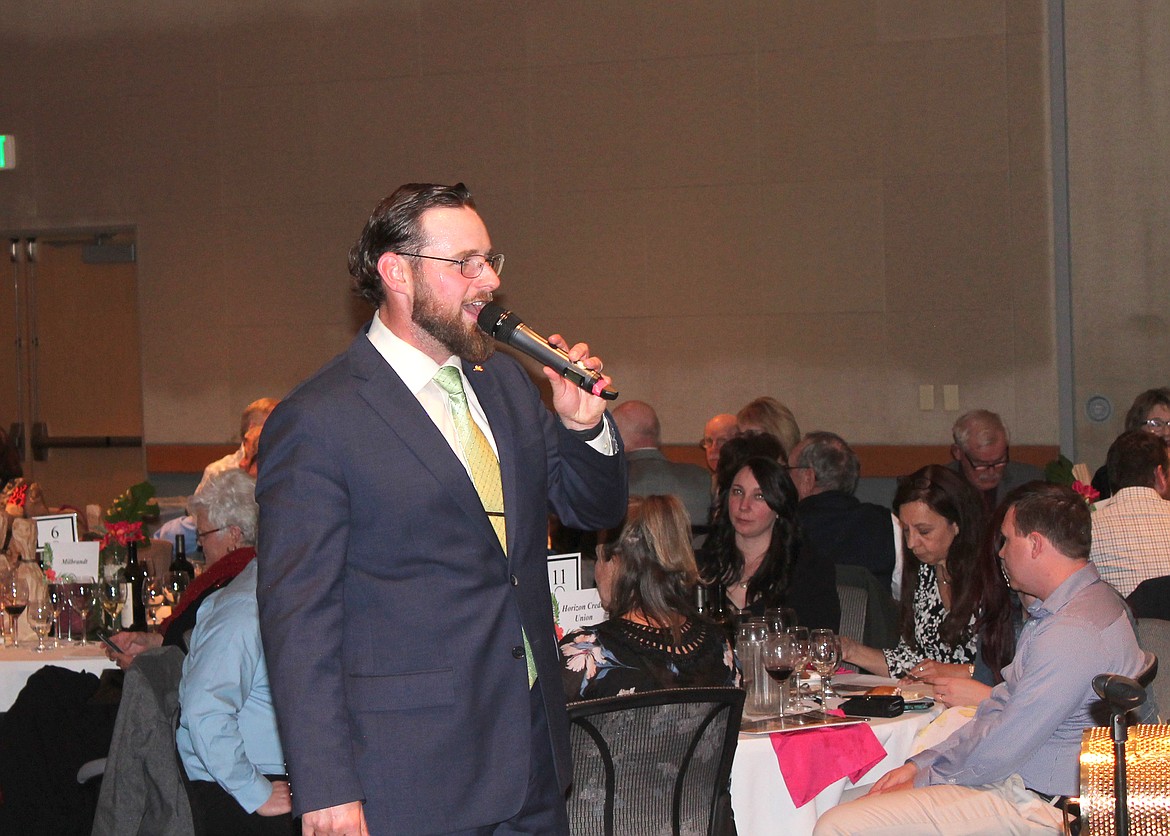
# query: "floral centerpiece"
[125,520]
[1076,476]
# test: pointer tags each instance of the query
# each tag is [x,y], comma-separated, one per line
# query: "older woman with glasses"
[226,516]
[1149,412]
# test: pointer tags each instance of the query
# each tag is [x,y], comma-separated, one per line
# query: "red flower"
[1089,493]
[122,533]
[19,494]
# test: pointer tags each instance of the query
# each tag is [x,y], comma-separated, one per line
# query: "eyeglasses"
[472,266]
[200,535]
[1157,424]
[983,467]
[708,443]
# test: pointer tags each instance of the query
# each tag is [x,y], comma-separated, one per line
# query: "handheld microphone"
[508,328]
[1121,692]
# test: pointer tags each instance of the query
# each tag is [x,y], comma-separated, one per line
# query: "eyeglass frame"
[496,260]
[200,535]
[1156,424]
[986,466]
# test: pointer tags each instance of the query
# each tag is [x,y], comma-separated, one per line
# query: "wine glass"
[779,619]
[112,594]
[40,616]
[825,653]
[153,596]
[15,595]
[780,657]
[174,585]
[81,597]
[59,598]
[800,641]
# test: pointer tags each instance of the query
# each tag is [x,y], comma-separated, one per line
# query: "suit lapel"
[396,405]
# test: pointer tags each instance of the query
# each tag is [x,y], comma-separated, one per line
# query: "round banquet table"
[760,798]
[17,664]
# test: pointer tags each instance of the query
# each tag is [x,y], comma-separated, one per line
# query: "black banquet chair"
[657,762]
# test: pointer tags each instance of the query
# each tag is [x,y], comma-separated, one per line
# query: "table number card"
[564,573]
[56,528]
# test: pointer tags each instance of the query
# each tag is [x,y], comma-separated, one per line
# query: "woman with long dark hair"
[654,638]
[755,550]
[955,601]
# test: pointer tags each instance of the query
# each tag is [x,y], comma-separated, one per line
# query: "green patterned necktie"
[485,470]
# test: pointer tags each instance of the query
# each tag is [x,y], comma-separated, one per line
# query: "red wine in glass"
[780,673]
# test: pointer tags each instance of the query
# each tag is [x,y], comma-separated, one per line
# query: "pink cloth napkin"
[811,760]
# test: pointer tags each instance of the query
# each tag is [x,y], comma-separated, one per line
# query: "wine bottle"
[180,563]
[134,577]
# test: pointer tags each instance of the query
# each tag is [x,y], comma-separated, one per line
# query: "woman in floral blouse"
[954,599]
[653,638]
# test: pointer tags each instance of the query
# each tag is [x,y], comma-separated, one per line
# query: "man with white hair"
[981,453]
[650,472]
[825,470]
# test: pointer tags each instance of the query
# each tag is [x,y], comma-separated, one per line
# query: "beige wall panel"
[822,249]
[821,113]
[945,106]
[586,121]
[1026,16]
[794,25]
[946,241]
[919,20]
[1027,92]
[702,125]
[172,160]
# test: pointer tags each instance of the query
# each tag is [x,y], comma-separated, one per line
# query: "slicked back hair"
[396,224]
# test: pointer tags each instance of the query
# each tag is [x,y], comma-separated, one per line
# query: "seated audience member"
[755,549]
[942,588]
[825,470]
[227,737]
[253,416]
[226,518]
[999,617]
[1151,599]
[1150,411]
[1000,772]
[982,455]
[650,472]
[768,415]
[654,638]
[1131,532]
[716,432]
[245,458]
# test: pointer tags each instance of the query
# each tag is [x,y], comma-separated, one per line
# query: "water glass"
[750,647]
[40,617]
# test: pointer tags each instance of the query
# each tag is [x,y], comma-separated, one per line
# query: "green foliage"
[134,505]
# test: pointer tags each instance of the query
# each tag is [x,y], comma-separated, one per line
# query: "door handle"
[41,442]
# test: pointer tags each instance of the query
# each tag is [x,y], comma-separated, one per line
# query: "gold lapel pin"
[477,368]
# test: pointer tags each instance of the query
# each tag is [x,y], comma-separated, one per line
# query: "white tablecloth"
[19,663]
[761,801]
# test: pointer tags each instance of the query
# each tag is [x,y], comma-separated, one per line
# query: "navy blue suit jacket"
[389,612]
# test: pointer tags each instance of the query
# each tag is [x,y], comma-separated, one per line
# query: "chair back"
[656,762]
[868,611]
[1153,636]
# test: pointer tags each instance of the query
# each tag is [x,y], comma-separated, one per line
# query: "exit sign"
[7,151]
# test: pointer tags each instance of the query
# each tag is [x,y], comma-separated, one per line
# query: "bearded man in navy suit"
[401,633]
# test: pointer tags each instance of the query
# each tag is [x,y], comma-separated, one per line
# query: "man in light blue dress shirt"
[227,735]
[1001,773]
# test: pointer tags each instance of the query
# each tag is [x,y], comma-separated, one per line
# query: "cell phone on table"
[108,642]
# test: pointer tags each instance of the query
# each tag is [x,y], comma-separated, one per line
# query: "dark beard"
[465,341]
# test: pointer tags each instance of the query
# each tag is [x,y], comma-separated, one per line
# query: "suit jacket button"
[515,580]
[518,651]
